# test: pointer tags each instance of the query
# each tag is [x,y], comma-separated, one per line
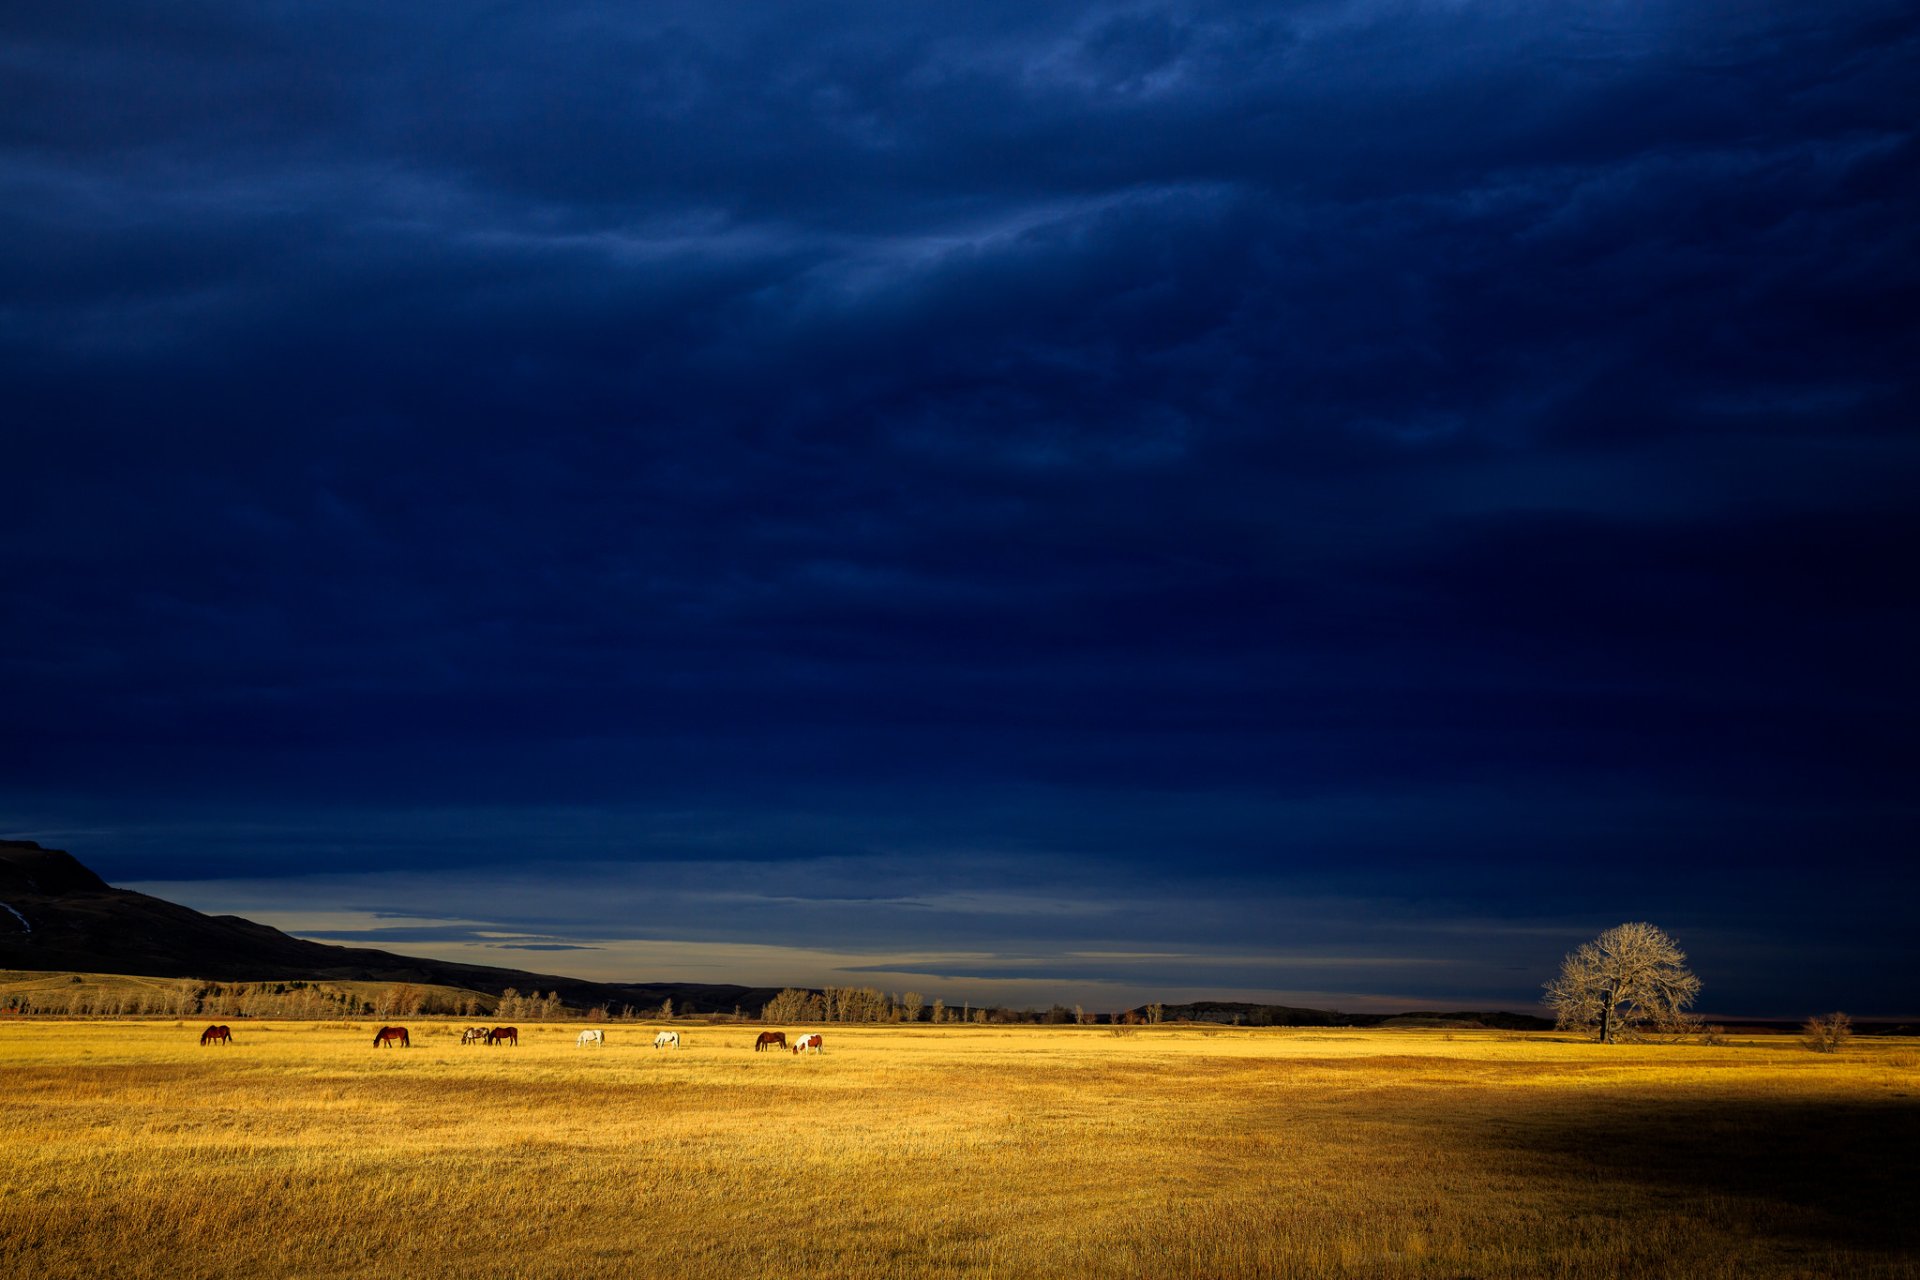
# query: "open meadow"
[300,1150]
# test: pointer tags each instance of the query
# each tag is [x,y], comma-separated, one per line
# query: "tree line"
[187,998]
[297,1000]
[292,1000]
[866,1004]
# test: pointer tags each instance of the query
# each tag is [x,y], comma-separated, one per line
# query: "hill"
[57,915]
[1238,1013]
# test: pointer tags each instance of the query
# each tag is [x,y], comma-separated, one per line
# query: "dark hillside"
[58,915]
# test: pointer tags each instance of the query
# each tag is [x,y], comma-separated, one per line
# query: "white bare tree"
[1631,976]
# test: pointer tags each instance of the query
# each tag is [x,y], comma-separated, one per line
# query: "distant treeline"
[295,1000]
[184,998]
[302,1000]
[1235,1013]
[865,1004]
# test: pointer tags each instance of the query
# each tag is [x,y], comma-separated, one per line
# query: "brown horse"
[216,1035]
[387,1035]
[510,1035]
[778,1039]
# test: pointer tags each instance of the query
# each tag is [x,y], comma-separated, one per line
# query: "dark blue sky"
[1333,501]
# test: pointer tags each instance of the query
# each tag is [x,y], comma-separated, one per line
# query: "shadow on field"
[1842,1173]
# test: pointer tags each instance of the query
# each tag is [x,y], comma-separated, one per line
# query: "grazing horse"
[591,1036]
[387,1035]
[776,1038]
[809,1041]
[476,1035]
[509,1035]
[667,1040]
[216,1035]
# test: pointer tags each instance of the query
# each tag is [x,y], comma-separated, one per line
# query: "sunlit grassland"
[129,1150]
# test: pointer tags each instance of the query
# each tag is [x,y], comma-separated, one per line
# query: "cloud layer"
[1410,450]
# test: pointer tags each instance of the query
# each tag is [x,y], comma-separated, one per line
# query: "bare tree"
[1631,976]
[1824,1035]
[789,1006]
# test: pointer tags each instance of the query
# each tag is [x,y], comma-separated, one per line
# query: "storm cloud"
[1215,453]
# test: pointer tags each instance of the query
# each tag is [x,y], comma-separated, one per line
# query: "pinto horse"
[777,1039]
[809,1041]
[387,1035]
[216,1035]
[667,1040]
[476,1035]
[509,1035]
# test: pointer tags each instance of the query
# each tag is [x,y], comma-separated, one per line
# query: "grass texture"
[302,1151]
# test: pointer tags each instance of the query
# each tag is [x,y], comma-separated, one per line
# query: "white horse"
[588,1037]
[808,1041]
[667,1040]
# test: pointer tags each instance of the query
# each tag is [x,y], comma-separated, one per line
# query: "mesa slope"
[64,918]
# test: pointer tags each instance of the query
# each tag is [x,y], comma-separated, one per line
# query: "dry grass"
[1016,1152]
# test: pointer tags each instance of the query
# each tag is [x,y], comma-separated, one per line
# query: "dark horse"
[509,1034]
[777,1038]
[387,1035]
[216,1035]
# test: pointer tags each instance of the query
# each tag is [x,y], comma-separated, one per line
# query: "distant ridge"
[1238,1013]
[59,915]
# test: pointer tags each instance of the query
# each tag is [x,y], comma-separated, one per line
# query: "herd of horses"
[387,1037]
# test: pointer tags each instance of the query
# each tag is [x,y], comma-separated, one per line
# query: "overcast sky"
[1333,502]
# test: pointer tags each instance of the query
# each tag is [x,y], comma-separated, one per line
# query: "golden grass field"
[130,1151]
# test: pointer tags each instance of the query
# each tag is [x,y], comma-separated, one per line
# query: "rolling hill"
[57,915]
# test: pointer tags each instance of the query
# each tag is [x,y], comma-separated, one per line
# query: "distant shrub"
[1824,1035]
[1713,1033]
